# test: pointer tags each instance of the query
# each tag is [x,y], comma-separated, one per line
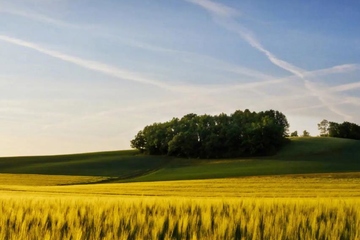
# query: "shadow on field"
[301,156]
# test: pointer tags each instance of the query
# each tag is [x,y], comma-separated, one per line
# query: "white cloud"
[228,22]
[43,18]
[353,101]
[249,37]
[215,8]
[88,64]
[137,77]
[327,99]
[345,87]
[333,70]
[189,56]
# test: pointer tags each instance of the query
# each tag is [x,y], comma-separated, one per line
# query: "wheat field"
[46,180]
[33,217]
[313,206]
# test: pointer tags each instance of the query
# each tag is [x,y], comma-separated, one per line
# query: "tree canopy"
[344,130]
[294,134]
[305,134]
[243,133]
[323,127]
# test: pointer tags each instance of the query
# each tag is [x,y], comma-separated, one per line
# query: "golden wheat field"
[282,207]
[45,180]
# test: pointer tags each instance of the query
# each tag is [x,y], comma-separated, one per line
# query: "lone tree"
[306,134]
[323,127]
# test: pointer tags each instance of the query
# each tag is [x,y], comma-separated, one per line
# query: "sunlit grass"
[305,186]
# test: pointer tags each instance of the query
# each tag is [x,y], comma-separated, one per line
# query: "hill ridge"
[301,156]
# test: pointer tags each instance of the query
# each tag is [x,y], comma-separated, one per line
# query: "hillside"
[301,156]
[120,164]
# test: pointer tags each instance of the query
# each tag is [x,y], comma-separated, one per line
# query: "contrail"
[92,65]
[216,8]
[60,23]
[228,22]
[120,73]
[345,87]
[44,19]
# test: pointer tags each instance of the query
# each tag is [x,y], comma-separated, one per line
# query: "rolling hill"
[301,156]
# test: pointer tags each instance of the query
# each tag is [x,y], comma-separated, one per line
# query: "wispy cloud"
[192,57]
[326,99]
[352,100]
[43,18]
[344,68]
[127,75]
[249,37]
[88,64]
[229,22]
[345,87]
[215,8]
[195,58]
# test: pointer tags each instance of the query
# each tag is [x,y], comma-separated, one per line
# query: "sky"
[85,76]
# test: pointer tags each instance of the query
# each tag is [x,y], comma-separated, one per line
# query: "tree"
[294,134]
[306,134]
[334,129]
[240,134]
[344,130]
[323,127]
[139,142]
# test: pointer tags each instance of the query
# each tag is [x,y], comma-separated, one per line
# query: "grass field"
[303,155]
[309,190]
[120,164]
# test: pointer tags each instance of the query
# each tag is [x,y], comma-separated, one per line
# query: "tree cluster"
[294,134]
[344,130]
[243,133]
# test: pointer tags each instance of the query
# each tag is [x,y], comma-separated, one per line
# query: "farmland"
[309,190]
[281,207]
[36,217]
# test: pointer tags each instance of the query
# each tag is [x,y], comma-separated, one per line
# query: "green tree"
[306,134]
[344,130]
[334,130]
[240,134]
[139,142]
[323,127]
[294,134]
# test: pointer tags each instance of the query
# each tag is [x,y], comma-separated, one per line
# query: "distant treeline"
[243,133]
[344,130]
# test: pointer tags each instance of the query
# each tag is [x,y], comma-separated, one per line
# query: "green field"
[117,164]
[301,156]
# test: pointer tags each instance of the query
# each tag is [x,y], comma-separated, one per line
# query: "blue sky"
[85,75]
